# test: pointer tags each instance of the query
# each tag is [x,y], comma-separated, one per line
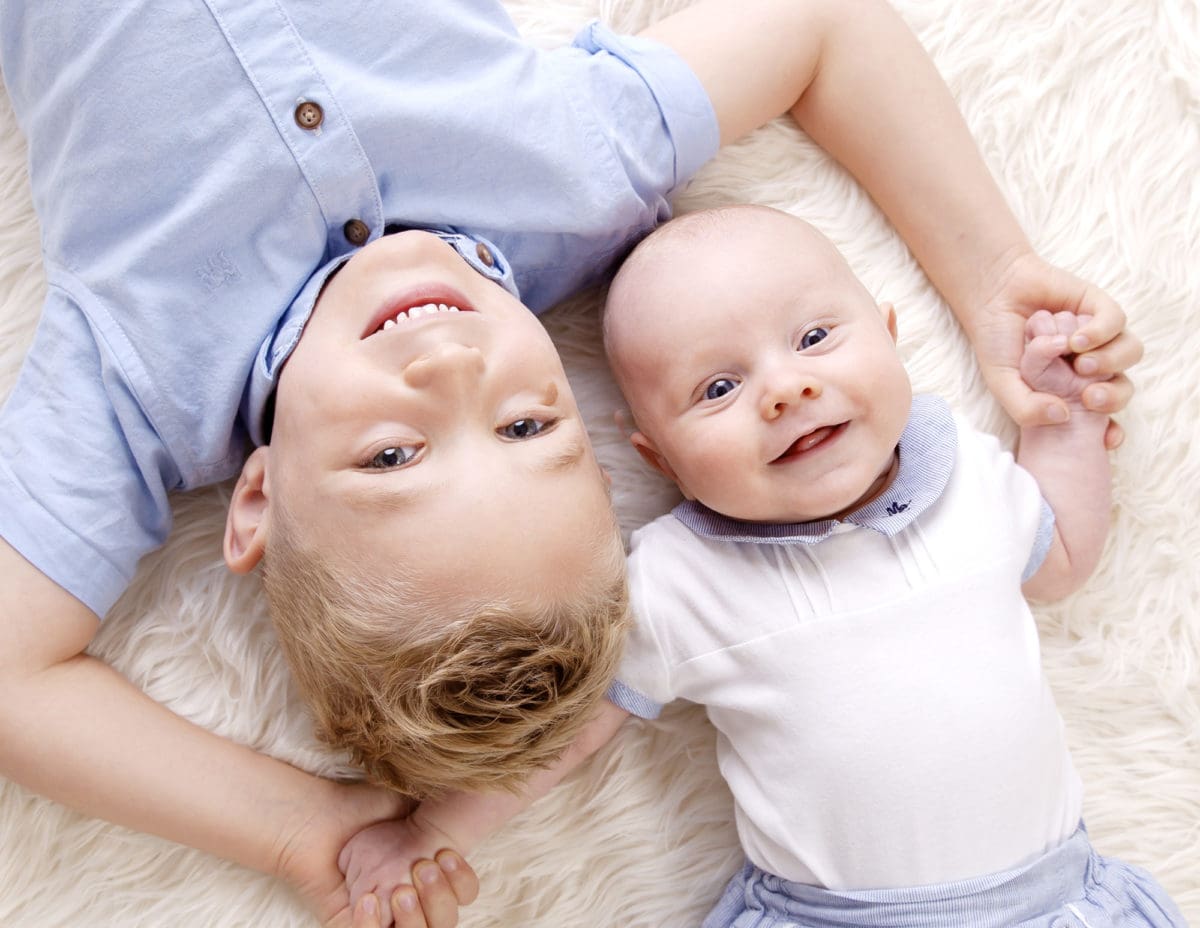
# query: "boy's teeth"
[415,312]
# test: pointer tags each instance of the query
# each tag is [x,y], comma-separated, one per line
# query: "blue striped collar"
[927,448]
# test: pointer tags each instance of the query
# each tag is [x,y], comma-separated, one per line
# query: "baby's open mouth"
[810,441]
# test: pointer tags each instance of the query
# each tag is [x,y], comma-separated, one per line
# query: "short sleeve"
[684,108]
[630,124]
[1025,522]
[643,682]
[83,475]
[1042,541]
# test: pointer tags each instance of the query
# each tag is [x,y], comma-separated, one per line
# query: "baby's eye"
[812,336]
[390,458]
[718,388]
[525,428]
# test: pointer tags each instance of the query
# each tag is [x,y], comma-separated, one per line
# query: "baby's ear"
[888,312]
[652,456]
[247,519]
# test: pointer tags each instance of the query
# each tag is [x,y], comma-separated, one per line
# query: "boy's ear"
[652,456]
[247,520]
[888,311]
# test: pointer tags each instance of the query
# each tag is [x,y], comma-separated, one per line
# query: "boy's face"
[448,442]
[762,375]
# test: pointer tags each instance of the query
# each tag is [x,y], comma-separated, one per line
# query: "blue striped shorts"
[1071,886]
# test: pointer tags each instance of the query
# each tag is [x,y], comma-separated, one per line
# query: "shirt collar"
[480,253]
[926,451]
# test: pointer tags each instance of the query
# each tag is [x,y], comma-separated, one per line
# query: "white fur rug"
[1088,112]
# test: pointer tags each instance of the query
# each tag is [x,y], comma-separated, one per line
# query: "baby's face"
[761,372]
[425,419]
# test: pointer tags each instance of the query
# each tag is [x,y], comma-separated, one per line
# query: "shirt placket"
[308,118]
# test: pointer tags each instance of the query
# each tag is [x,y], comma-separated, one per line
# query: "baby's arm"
[858,82]
[1069,460]
[75,730]
[378,860]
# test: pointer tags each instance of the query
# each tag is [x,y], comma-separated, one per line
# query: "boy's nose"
[449,360]
[786,389]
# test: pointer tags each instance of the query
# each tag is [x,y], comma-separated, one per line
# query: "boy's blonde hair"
[428,698]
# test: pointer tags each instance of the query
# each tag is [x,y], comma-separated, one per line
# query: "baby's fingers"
[1026,407]
[1040,353]
[1040,323]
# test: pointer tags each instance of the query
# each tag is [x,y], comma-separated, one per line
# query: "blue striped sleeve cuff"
[633,702]
[1041,542]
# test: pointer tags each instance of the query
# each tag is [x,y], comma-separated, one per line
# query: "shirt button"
[309,115]
[356,231]
[485,255]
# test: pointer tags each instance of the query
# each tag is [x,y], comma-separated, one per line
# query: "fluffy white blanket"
[1088,112]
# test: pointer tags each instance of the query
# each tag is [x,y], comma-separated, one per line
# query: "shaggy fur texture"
[1089,114]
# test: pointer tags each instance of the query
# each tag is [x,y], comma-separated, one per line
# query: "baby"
[843,591]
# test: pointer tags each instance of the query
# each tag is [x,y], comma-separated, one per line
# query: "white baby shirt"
[882,715]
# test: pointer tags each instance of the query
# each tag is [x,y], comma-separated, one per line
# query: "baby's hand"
[1046,361]
[1021,289]
[381,864]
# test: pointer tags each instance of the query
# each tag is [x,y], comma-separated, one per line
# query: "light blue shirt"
[190,213]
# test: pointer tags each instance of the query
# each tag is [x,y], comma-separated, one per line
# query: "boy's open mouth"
[416,312]
[407,311]
[810,441]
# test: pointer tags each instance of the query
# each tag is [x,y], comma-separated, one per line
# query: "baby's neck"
[878,486]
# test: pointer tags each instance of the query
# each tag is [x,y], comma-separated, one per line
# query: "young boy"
[202,171]
[842,590]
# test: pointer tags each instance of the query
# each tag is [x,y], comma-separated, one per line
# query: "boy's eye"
[718,388]
[525,428]
[396,456]
[812,336]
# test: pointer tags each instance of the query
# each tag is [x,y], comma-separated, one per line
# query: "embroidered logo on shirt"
[217,271]
[894,509]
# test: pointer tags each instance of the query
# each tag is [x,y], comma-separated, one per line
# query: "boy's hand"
[399,872]
[308,860]
[1046,362]
[441,886]
[1103,349]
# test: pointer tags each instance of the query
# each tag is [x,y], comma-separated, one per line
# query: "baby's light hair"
[429,697]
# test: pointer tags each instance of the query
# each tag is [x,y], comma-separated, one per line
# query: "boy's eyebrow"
[387,499]
[564,454]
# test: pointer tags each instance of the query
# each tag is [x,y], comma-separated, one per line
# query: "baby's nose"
[447,360]
[787,389]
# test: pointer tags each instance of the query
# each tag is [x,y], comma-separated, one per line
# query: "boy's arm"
[1068,460]
[378,860]
[859,83]
[76,731]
